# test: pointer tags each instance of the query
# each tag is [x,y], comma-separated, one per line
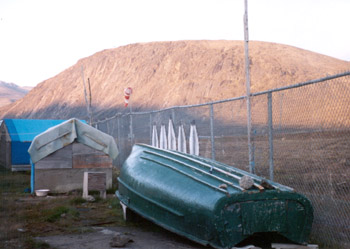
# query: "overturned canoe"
[202,199]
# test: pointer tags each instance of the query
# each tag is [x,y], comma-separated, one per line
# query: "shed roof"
[66,133]
[24,130]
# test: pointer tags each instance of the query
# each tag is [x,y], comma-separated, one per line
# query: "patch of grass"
[13,182]
[55,214]
[114,203]
[31,243]
[77,201]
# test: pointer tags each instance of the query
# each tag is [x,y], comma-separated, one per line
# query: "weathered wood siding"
[5,147]
[65,180]
[96,181]
[61,159]
[63,170]
[86,157]
[75,155]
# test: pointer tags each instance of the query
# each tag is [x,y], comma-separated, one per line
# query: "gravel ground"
[102,236]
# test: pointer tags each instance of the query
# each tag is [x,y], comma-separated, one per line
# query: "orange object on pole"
[126,102]
[127,93]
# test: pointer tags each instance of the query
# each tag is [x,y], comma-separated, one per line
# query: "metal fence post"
[173,115]
[118,129]
[212,132]
[150,128]
[120,147]
[131,131]
[270,124]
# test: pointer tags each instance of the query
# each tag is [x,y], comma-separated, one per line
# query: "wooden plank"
[91,161]
[86,157]
[23,167]
[3,150]
[79,148]
[82,149]
[96,181]
[60,159]
[5,147]
[65,180]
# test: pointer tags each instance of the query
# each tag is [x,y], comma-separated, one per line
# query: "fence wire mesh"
[300,138]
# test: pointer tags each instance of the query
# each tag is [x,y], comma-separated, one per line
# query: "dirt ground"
[102,236]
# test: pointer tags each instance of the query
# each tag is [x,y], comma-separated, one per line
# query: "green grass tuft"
[77,201]
[55,214]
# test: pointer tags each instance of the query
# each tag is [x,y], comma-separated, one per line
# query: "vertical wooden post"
[90,102]
[247,73]
[270,124]
[212,139]
[85,94]
[131,125]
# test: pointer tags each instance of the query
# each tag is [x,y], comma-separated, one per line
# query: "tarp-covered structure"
[15,139]
[62,154]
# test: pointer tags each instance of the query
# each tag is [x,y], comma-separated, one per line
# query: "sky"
[41,38]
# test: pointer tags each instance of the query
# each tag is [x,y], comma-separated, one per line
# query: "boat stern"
[290,216]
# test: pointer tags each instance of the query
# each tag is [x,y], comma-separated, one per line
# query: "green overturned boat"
[209,202]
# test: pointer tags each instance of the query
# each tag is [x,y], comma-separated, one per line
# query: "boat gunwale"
[188,175]
[228,172]
[197,169]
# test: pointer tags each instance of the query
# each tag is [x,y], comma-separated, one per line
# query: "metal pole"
[269,108]
[90,102]
[247,64]
[120,147]
[150,128]
[118,131]
[85,94]
[212,132]
[131,128]
[173,115]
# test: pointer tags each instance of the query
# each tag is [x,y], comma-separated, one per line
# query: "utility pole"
[85,94]
[90,102]
[247,76]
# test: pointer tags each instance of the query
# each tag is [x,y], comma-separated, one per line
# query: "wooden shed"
[62,154]
[16,135]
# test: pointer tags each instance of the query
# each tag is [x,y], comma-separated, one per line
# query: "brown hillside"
[10,92]
[164,74]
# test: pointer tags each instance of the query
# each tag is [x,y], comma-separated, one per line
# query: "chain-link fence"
[300,137]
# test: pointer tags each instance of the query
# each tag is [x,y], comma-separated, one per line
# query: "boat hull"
[195,198]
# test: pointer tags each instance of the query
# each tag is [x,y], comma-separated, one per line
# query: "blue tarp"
[24,130]
[20,155]
[22,133]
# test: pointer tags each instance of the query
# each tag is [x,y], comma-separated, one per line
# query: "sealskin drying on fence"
[207,201]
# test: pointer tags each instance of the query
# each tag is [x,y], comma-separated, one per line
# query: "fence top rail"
[310,82]
[331,77]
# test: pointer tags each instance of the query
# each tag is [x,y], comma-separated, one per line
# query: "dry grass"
[23,217]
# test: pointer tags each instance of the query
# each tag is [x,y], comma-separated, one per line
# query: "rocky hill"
[164,74]
[10,92]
